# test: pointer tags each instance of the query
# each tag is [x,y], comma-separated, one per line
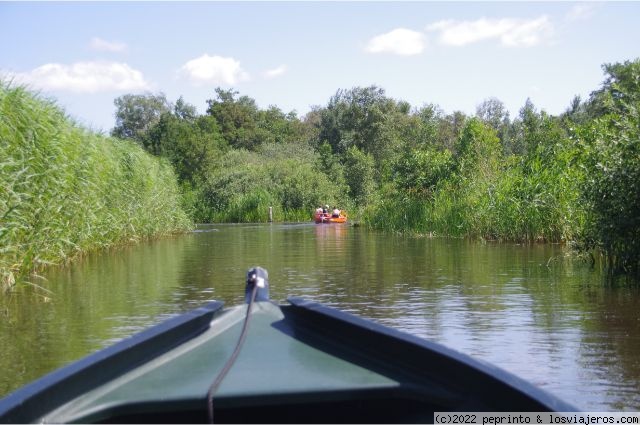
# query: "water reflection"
[523,308]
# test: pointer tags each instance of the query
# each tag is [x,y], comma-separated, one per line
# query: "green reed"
[65,190]
[510,206]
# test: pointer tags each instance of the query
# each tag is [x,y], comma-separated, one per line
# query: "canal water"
[526,308]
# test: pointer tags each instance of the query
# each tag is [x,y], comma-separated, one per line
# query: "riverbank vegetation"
[571,178]
[65,190]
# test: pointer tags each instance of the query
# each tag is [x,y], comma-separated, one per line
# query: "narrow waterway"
[525,308]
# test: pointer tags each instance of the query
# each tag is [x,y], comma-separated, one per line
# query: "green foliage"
[244,126]
[359,170]
[611,190]
[494,114]
[475,193]
[620,92]
[236,118]
[477,151]
[407,169]
[419,171]
[358,117]
[610,146]
[243,184]
[65,191]
[191,145]
[136,114]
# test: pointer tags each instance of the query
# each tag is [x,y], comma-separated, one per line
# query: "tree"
[358,117]
[191,147]
[359,174]
[449,128]
[136,114]
[620,90]
[236,117]
[418,129]
[575,114]
[611,146]
[528,130]
[477,150]
[420,170]
[494,114]
[311,123]
[184,110]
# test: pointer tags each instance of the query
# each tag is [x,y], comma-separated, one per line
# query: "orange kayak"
[328,218]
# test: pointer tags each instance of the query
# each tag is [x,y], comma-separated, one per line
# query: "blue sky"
[298,54]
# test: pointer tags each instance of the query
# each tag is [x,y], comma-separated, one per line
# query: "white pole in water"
[270,214]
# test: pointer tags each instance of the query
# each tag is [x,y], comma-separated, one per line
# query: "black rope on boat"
[227,366]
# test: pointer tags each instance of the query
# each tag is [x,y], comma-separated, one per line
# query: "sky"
[297,55]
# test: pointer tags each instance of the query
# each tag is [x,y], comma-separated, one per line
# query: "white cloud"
[400,41]
[214,69]
[582,11]
[84,77]
[510,32]
[107,46]
[276,72]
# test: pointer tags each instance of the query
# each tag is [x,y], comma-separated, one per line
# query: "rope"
[227,366]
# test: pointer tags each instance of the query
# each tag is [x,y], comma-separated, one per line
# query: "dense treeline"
[534,177]
[64,190]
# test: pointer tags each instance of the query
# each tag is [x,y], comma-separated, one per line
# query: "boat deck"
[272,368]
[300,363]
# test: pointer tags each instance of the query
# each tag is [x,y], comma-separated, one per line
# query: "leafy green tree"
[359,174]
[430,117]
[236,117]
[420,170]
[449,129]
[477,150]
[278,127]
[184,110]
[244,183]
[329,163]
[415,129]
[191,146]
[136,114]
[524,130]
[575,114]
[358,117]
[533,129]
[611,189]
[620,91]
[311,123]
[494,114]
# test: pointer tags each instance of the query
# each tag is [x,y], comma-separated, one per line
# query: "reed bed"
[512,206]
[244,185]
[65,190]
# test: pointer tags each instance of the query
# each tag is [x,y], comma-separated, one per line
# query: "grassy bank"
[65,190]
[534,177]
[242,185]
[480,193]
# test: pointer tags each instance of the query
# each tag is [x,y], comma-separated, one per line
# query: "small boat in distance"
[261,362]
[320,218]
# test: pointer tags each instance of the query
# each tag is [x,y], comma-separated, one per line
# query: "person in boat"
[319,211]
[325,210]
[336,212]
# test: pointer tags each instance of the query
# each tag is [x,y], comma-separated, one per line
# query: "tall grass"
[65,190]
[514,207]
[244,184]
[533,198]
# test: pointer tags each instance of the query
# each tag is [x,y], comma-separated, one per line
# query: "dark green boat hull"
[300,363]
